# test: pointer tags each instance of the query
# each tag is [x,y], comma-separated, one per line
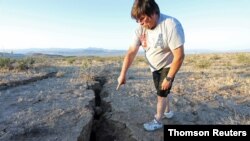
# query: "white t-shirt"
[158,42]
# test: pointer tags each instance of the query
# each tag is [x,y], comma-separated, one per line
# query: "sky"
[208,24]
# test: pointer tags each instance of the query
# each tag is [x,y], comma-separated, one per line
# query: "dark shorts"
[158,77]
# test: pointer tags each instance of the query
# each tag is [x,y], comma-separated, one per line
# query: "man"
[162,39]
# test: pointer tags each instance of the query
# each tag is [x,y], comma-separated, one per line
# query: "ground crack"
[103,128]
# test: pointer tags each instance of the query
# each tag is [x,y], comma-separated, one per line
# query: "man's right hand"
[126,63]
[121,80]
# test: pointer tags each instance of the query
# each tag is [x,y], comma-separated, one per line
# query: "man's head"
[145,12]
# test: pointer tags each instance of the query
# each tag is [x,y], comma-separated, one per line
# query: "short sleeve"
[176,36]
[136,37]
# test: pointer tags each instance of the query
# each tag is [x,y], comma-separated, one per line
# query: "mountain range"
[94,52]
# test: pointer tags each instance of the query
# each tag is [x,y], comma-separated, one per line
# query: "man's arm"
[175,66]
[177,61]
[126,64]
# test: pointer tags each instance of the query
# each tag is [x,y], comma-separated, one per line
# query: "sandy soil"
[217,93]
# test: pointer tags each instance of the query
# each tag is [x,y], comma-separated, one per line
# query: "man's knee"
[161,99]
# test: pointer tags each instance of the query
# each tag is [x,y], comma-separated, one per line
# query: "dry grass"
[212,79]
[225,72]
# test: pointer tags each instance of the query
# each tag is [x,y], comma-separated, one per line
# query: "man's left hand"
[166,84]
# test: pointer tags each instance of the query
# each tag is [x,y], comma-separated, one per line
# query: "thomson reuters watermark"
[206,130]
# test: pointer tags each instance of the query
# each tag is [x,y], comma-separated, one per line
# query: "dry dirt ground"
[79,101]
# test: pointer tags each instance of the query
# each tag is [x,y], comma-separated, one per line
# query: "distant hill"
[53,52]
[73,52]
[11,55]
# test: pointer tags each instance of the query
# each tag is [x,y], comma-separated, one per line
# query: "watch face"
[169,79]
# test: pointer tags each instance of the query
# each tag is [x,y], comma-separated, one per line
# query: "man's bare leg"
[168,103]
[162,105]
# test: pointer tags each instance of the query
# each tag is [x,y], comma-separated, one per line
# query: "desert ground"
[56,98]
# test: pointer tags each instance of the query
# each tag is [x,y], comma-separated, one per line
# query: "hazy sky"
[208,24]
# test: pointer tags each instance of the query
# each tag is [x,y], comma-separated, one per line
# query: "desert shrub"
[30,61]
[98,59]
[243,58]
[25,63]
[228,64]
[86,63]
[140,59]
[215,57]
[21,65]
[203,64]
[5,62]
[70,60]
[114,58]
[86,71]
[40,59]
[189,60]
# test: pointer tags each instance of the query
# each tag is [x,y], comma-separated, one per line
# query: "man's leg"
[168,104]
[156,123]
[162,105]
[163,99]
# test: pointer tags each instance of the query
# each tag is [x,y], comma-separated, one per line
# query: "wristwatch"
[169,79]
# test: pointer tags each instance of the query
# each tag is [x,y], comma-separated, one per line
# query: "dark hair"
[144,7]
